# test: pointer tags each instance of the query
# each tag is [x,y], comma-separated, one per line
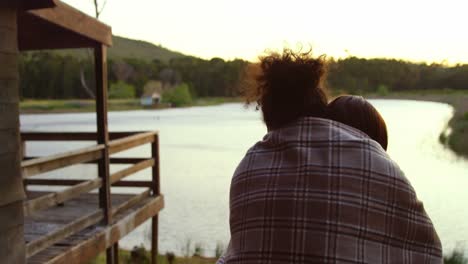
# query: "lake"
[201,147]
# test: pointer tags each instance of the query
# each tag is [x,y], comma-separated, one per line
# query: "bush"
[456,257]
[121,90]
[382,90]
[178,96]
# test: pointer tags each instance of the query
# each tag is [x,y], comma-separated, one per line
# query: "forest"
[49,75]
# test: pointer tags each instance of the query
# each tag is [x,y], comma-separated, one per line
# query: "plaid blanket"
[318,191]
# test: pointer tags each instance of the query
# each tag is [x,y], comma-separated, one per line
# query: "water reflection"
[201,147]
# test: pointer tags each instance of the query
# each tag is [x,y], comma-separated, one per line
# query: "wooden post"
[156,192]
[12,245]
[100,67]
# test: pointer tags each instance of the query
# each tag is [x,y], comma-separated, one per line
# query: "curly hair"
[287,86]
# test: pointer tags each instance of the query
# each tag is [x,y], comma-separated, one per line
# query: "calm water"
[201,147]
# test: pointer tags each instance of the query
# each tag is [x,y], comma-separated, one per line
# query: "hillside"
[129,48]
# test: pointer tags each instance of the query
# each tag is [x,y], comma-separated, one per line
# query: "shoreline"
[60,106]
[457,139]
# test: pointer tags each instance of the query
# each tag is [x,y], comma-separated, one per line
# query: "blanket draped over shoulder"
[318,191]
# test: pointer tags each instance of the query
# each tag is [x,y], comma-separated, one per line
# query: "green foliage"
[465,116]
[121,90]
[456,257]
[382,90]
[178,96]
[219,250]
[56,75]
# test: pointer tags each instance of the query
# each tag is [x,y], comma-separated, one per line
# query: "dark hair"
[355,111]
[287,86]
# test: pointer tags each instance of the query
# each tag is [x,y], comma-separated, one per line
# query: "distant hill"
[130,48]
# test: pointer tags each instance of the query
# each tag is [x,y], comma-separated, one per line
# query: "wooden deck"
[76,223]
[44,230]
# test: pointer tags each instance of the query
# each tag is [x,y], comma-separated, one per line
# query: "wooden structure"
[71,225]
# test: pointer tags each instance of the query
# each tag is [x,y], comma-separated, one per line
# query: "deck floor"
[47,221]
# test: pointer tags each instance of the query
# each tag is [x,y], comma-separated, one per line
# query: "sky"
[415,30]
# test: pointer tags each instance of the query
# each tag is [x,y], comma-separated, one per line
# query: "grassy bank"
[455,257]
[29,106]
[457,140]
[143,257]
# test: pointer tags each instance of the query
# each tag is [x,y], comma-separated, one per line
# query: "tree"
[178,96]
[98,10]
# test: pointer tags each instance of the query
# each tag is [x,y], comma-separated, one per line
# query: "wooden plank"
[67,17]
[111,160]
[9,145]
[9,115]
[100,65]
[87,249]
[45,164]
[52,182]
[40,203]
[8,44]
[9,90]
[119,145]
[130,202]
[156,192]
[133,184]
[11,187]
[117,176]
[28,4]
[12,245]
[76,190]
[79,224]
[9,215]
[57,182]
[9,69]
[8,17]
[72,136]
[53,199]
[37,34]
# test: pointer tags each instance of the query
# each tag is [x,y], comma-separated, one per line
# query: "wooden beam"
[11,187]
[45,164]
[119,145]
[111,160]
[27,4]
[53,199]
[57,182]
[117,176]
[84,251]
[72,136]
[130,202]
[69,18]
[156,192]
[100,67]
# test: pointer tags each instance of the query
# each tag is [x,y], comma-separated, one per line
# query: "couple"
[320,187]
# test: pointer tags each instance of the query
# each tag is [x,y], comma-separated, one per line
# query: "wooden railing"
[120,141]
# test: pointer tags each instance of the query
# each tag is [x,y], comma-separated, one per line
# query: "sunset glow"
[429,31]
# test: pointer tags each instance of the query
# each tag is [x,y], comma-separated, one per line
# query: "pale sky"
[416,30]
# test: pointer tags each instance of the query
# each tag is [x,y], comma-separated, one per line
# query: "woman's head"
[288,86]
[355,111]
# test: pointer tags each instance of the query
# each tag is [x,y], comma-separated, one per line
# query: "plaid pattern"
[318,191]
